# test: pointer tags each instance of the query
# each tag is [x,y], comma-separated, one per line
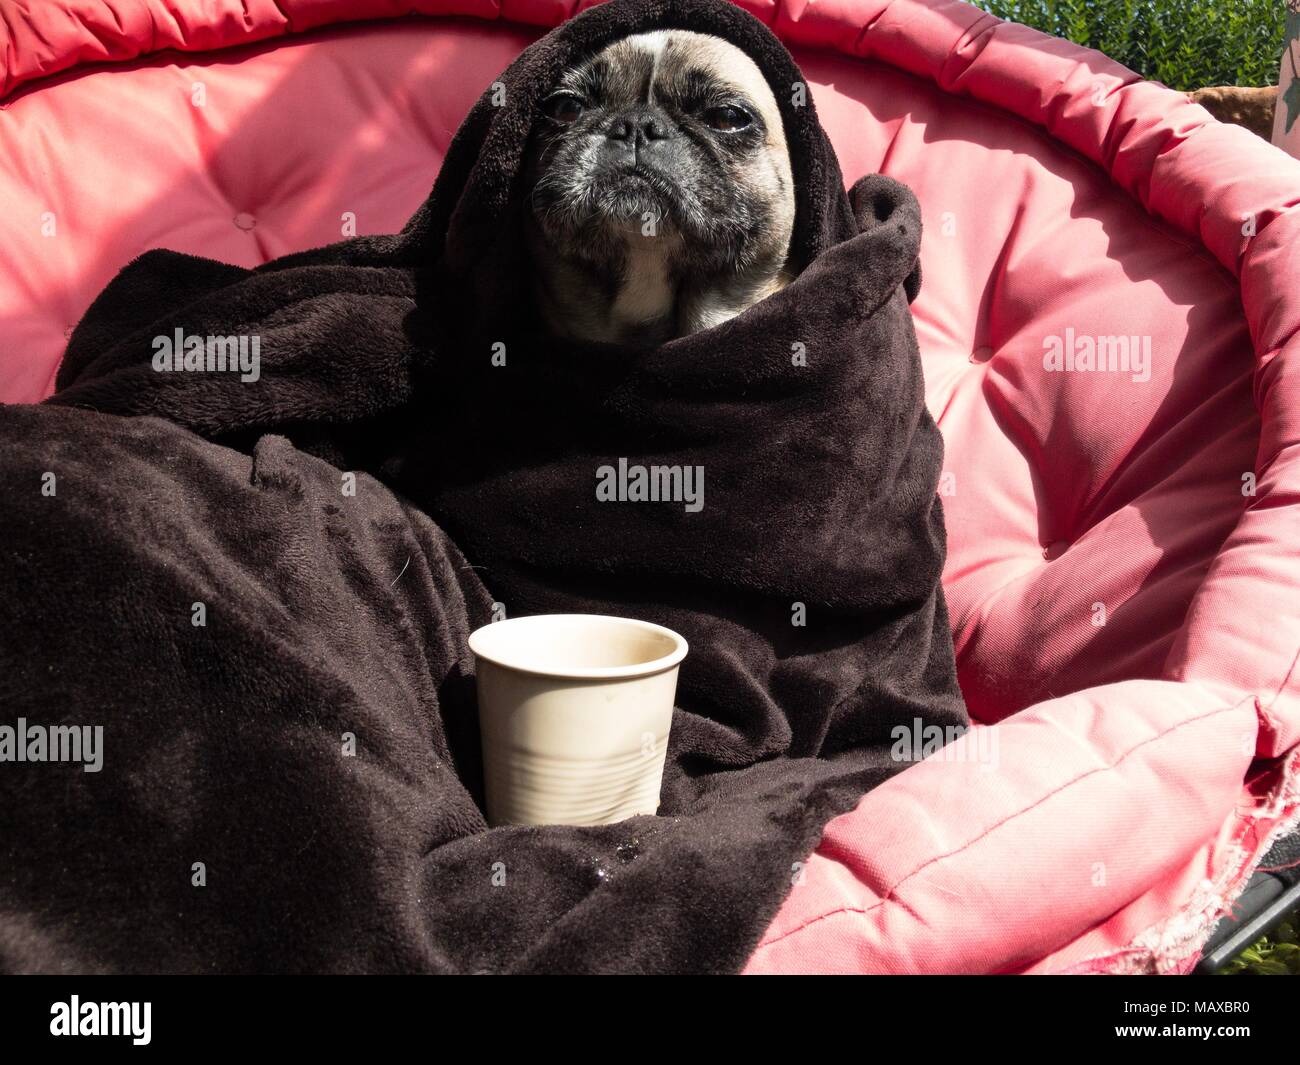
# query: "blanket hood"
[468,231]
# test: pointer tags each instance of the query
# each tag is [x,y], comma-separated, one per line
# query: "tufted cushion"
[1123,565]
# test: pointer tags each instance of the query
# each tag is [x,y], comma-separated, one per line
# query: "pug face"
[661,197]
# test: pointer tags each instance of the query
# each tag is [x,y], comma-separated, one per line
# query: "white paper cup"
[574,710]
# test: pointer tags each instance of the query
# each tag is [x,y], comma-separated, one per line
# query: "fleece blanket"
[241,596]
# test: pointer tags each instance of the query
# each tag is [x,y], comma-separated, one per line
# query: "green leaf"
[1185,43]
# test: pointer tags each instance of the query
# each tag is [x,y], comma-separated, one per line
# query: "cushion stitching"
[991,829]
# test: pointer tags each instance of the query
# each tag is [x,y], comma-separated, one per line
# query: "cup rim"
[640,669]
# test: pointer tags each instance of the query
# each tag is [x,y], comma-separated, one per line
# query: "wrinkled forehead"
[672,66]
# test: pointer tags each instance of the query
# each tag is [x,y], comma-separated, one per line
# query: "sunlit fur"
[637,239]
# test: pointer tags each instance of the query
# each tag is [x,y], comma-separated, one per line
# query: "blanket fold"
[266,576]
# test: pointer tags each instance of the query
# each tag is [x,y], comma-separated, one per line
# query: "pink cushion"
[1125,609]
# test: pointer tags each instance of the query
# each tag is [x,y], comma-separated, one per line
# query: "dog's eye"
[564,107]
[727,119]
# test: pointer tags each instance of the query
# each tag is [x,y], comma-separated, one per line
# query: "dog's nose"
[641,124]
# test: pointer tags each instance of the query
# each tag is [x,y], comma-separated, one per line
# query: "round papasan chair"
[1109,329]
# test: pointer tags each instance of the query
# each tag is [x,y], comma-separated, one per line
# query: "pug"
[661,200]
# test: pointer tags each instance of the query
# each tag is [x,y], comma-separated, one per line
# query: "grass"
[1186,44]
[1276,955]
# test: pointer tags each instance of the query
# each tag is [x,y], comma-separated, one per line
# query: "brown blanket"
[305,744]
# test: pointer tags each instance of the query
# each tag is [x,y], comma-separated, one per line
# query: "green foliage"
[1186,44]
[1278,955]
